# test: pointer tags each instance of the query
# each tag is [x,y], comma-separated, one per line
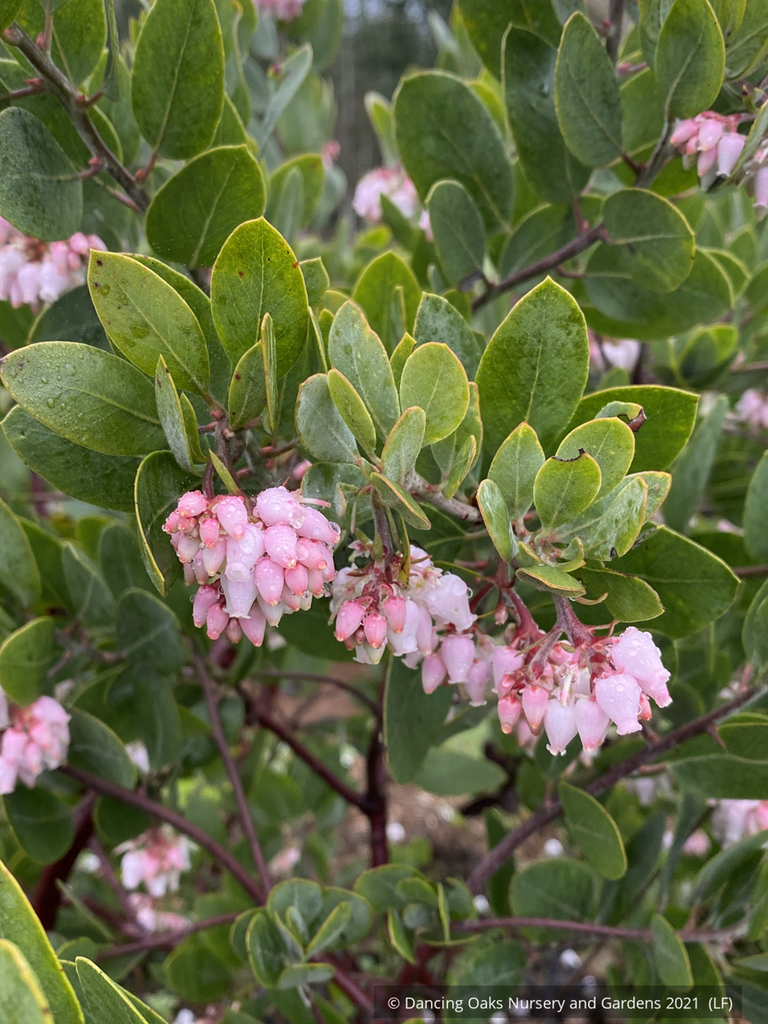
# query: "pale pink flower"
[282,10]
[34,273]
[636,654]
[619,697]
[156,859]
[392,182]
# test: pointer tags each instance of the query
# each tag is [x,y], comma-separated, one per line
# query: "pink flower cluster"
[734,820]
[583,691]
[752,409]
[35,738]
[152,920]
[282,10]
[157,858]
[713,141]
[33,272]
[391,182]
[256,559]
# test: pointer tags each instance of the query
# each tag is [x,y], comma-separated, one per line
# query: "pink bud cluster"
[583,691]
[33,272]
[255,559]
[712,141]
[282,10]
[752,409]
[34,739]
[157,858]
[152,920]
[734,820]
[391,182]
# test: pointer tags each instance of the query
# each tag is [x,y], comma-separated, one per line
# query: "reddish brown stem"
[586,928]
[167,939]
[48,895]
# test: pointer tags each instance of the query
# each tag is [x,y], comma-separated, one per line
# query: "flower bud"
[636,654]
[188,547]
[209,531]
[477,681]
[297,579]
[433,672]
[375,629]
[280,545]
[559,725]
[509,709]
[312,554]
[535,700]
[684,130]
[192,504]
[505,660]
[728,152]
[709,134]
[317,527]
[394,610]
[761,188]
[213,558]
[315,583]
[619,697]
[449,601]
[349,619]
[269,580]
[234,631]
[205,598]
[254,627]
[458,653]
[277,505]
[592,723]
[706,162]
[216,621]
[232,515]
[239,594]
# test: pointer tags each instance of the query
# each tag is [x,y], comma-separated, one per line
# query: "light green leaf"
[20,925]
[692,467]
[194,212]
[403,445]
[551,580]
[438,320]
[266,949]
[444,131]
[42,824]
[21,999]
[412,721]
[755,504]
[458,230]
[486,22]
[331,928]
[255,273]
[535,366]
[39,191]
[291,74]
[194,973]
[394,496]
[565,487]
[655,241]
[182,437]
[159,483]
[611,526]
[670,955]
[25,656]
[305,974]
[690,58]
[594,831]
[312,174]
[177,85]
[514,468]
[529,90]
[88,396]
[18,569]
[434,379]
[390,312]
[465,459]
[315,278]
[321,430]
[352,409]
[610,443]
[398,358]
[587,95]
[496,517]
[248,389]
[629,599]
[356,352]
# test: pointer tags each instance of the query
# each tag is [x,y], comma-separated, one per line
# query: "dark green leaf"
[755,504]
[496,517]
[21,999]
[94,747]
[179,421]
[88,593]
[447,772]
[159,484]
[755,632]
[671,958]
[248,389]
[194,973]
[438,320]
[390,312]
[458,231]
[412,720]
[690,58]
[147,631]
[320,427]
[594,831]
[486,21]
[628,599]
[561,889]
[25,656]
[43,824]
[655,242]
[18,569]
[692,467]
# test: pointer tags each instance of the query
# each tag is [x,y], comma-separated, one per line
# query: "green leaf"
[379,886]
[692,467]
[159,483]
[39,191]
[628,599]
[8,11]
[587,95]
[88,396]
[389,312]
[356,352]
[95,747]
[88,593]
[42,824]
[594,831]
[145,318]
[721,868]
[72,317]
[748,50]
[195,211]
[25,656]
[486,22]
[398,358]
[21,999]
[297,975]
[448,772]
[394,496]
[412,721]
[445,131]
[194,973]
[20,925]
[551,580]
[321,430]
[458,230]
[180,429]
[18,569]
[561,889]
[610,443]
[611,526]
[352,409]
[438,320]
[434,379]
[147,630]
[315,278]
[359,923]
[255,273]
[535,366]
[247,389]
[514,468]
[654,241]
[694,585]
[266,949]
[403,445]
[292,73]
[269,360]
[312,174]
[496,517]
[669,953]
[670,418]
[177,85]
[331,928]
[722,777]
[690,58]
[565,487]
[755,505]
[399,938]
[160,723]
[755,631]
[463,463]
[529,90]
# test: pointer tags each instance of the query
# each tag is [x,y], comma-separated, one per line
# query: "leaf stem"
[167,938]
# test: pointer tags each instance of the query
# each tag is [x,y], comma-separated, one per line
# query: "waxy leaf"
[147,631]
[656,242]
[159,483]
[39,191]
[514,469]
[438,320]
[95,747]
[434,379]
[248,388]
[320,427]
[670,954]
[25,656]
[389,295]
[104,998]
[611,525]
[535,366]
[395,497]
[403,445]
[177,85]
[18,568]
[444,131]
[255,273]
[755,504]
[458,231]
[562,889]
[628,599]
[587,95]
[21,926]
[495,515]
[42,824]
[196,210]
[594,831]
[690,58]
[8,11]
[21,998]
[266,949]
[610,443]
[565,487]
[486,21]
[179,421]
[552,580]
[412,722]
[352,409]
[692,467]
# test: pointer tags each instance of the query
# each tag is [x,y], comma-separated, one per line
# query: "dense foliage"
[449,503]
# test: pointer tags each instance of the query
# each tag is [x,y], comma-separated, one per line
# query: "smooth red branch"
[223,857]
[585,928]
[166,939]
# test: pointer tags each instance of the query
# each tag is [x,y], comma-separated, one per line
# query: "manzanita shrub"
[482,482]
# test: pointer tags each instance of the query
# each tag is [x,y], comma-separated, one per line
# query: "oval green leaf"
[594,831]
[25,656]
[565,487]
[434,379]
